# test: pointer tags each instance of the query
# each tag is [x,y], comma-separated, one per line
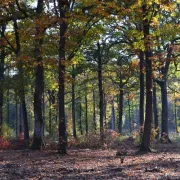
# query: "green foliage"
[178,128]
[175,137]
[117,27]
[7,132]
[54,134]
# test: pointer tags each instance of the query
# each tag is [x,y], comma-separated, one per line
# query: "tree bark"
[43,112]
[132,116]
[2,58]
[1,113]
[100,87]
[86,115]
[20,120]
[94,110]
[62,124]
[25,120]
[8,103]
[16,118]
[175,114]
[164,124]
[104,111]
[121,99]
[113,116]
[73,103]
[39,84]
[80,118]
[50,112]
[129,114]
[163,85]
[141,105]
[155,110]
[121,94]
[54,106]
[145,145]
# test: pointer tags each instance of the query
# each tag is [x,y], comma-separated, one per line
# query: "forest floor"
[91,164]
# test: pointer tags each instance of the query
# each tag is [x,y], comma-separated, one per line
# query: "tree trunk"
[25,121]
[121,93]
[164,124]
[43,112]
[145,145]
[39,85]
[141,105]
[8,103]
[16,118]
[20,119]
[62,124]
[80,118]
[113,116]
[86,115]
[73,103]
[163,86]
[94,110]
[121,98]
[104,111]
[56,109]
[1,112]
[50,112]
[155,110]
[2,58]
[22,89]
[132,116]
[54,106]
[101,107]
[175,114]
[129,114]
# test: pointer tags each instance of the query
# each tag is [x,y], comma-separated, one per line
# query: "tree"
[145,146]
[163,86]
[2,58]
[164,52]
[21,78]
[155,109]
[73,102]
[12,8]
[39,81]
[141,102]
[101,108]
[63,7]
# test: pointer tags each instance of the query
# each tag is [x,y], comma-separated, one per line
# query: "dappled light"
[89,89]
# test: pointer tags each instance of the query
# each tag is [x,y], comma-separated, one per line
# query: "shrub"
[7,132]
[164,138]
[110,136]
[91,141]
[54,134]
[178,129]
[4,143]
[137,135]
[50,144]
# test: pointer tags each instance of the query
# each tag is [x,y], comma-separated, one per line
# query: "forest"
[89,89]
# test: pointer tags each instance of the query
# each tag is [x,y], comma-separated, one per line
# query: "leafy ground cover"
[92,164]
